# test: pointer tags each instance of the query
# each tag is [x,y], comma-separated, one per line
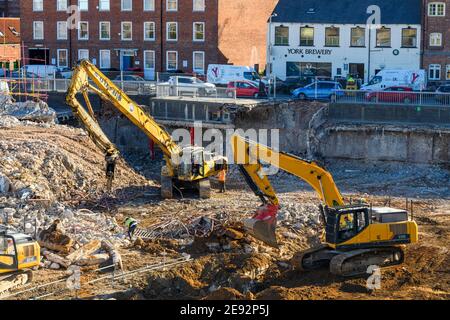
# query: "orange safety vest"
[222,174]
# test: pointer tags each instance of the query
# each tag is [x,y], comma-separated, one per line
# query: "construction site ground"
[228,263]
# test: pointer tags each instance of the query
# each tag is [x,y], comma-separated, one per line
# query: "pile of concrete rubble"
[11,112]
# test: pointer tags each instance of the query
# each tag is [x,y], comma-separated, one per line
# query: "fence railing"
[169,90]
[391,97]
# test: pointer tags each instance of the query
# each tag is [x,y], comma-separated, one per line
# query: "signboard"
[311,52]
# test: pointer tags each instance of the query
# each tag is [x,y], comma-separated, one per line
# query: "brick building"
[153,35]
[436,44]
[10,43]
[9,8]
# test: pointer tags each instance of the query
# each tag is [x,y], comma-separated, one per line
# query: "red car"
[243,89]
[392,94]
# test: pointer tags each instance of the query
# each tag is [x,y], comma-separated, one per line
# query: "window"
[434,72]
[104,5]
[149,59]
[38,30]
[83,54]
[127,5]
[448,72]
[149,31]
[83,30]
[358,36]
[198,5]
[62,58]
[332,37]
[281,36]
[172,60]
[409,38]
[198,62]
[149,5]
[172,31]
[105,59]
[83,5]
[436,9]
[172,5]
[435,39]
[61,5]
[38,5]
[105,30]
[199,31]
[61,30]
[384,37]
[127,31]
[307,36]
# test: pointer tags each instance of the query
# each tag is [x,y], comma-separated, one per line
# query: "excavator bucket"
[263,225]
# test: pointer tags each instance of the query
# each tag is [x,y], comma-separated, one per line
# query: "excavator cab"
[344,223]
[8,256]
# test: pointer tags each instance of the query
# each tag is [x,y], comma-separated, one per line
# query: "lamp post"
[269,50]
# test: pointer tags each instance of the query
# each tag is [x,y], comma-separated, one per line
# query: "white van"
[415,79]
[41,70]
[4,88]
[222,74]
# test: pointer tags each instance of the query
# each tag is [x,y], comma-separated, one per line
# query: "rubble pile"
[31,110]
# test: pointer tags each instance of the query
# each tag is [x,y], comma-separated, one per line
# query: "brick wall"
[437,55]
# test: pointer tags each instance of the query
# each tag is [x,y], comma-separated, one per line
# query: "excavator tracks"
[357,262]
[14,281]
[313,258]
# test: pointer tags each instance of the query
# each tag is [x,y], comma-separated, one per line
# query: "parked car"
[398,94]
[292,83]
[319,90]
[192,85]
[135,84]
[443,95]
[244,88]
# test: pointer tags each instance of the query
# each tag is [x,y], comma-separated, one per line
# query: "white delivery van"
[222,74]
[415,79]
[41,70]
[4,88]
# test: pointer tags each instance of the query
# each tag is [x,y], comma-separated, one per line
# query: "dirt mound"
[157,247]
[226,294]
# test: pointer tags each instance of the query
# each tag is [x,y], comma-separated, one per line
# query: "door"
[126,62]
[357,70]
[149,65]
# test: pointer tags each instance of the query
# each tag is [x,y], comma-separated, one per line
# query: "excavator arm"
[87,77]
[249,155]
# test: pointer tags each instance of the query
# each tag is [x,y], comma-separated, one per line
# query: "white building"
[332,38]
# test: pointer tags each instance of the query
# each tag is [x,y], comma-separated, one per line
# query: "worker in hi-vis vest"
[131,225]
[222,175]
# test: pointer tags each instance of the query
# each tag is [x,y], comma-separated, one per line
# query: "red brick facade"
[10,42]
[233,30]
[436,55]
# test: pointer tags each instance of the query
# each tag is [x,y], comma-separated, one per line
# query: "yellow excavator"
[19,253]
[356,235]
[189,166]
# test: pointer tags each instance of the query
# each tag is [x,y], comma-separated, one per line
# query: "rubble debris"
[32,110]
[5,184]
[55,239]
[113,253]
[53,257]
[226,293]
[84,251]
[93,259]
[9,122]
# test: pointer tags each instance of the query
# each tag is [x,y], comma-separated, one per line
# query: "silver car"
[192,85]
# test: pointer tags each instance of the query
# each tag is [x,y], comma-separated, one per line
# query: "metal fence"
[391,97]
[168,90]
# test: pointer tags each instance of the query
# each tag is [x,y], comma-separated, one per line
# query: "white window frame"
[202,71]
[167,5]
[151,52]
[436,5]
[167,60]
[121,30]
[83,50]
[154,31]
[193,32]
[41,23]
[35,5]
[101,60]
[152,5]
[434,68]
[63,7]
[100,30]
[101,8]
[64,26]
[434,36]
[67,58]
[167,30]
[79,30]
[126,10]
[202,6]
[83,1]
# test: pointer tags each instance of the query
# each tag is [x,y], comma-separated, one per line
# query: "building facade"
[436,44]
[151,35]
[9,8]
[332,38]
[10,43]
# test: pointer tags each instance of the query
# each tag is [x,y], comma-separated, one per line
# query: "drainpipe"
[369,53]
[161,36]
